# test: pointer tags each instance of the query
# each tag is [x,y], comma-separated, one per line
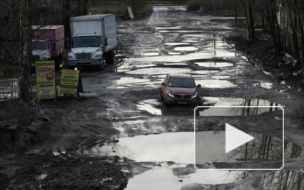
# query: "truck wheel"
[110,57]
[102,66]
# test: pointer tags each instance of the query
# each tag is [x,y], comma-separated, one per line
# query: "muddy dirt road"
[121,136]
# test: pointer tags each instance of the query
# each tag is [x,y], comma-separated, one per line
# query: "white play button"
[235,137]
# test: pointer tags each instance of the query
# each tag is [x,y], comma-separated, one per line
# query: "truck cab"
[86,49]
[48,43]
[41,49]
[93,41]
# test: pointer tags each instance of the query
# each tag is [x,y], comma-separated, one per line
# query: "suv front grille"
[182,96]
[83,56]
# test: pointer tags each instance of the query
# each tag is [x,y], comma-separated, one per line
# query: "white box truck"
[94,41]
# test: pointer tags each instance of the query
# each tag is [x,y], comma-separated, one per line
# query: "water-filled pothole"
[215,83]
[281,180]
[214,64]
[179,148]
[156,107]
[185,48]
[160,177]
[258,106]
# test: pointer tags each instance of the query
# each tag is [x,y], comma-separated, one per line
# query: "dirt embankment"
[262,53]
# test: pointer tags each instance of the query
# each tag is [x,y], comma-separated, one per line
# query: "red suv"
[179,89]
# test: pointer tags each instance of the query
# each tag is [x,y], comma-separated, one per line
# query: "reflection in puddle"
[215,83]
[215,101]
[160,177]
[264,150]
[179,148]
[283,180]
[156,107]
[214,64]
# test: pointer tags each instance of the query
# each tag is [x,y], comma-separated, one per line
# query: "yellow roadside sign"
[69,82]
[45,80]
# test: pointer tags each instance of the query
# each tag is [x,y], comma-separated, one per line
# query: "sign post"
[45,80]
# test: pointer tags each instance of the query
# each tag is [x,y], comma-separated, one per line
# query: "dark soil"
[262,54]
[3,181]
[66,173]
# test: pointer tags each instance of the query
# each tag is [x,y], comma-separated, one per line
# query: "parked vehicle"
[93,41]
[48,43]
[179,89]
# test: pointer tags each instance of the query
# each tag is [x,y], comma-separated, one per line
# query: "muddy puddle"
[251,106]
[215,83]
[281,180]
[214,64]
[190,148]
[165,176]
[156,107]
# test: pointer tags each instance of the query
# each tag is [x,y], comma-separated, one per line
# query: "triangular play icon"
[235,137]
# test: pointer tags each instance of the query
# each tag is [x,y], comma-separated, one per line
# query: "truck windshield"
[85,41]
[40,45]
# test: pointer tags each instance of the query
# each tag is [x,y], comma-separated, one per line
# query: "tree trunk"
[25,65]
[66,8]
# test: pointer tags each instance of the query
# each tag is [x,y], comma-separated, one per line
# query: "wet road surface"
[174,41]
[123,106]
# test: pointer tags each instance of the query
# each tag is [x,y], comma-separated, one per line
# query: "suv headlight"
[170,94]
[98,56]
[70,56]
[194,95]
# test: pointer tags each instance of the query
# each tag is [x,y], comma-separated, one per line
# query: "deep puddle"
[160,177]
[266,106]
[180,148]
[215,83]
[156,107]
[282,180]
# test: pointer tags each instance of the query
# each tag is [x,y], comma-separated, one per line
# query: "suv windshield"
[85,41]
[181,82]
[40,45]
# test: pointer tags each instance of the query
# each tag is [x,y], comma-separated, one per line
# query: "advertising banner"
[45,79]
[69,82]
